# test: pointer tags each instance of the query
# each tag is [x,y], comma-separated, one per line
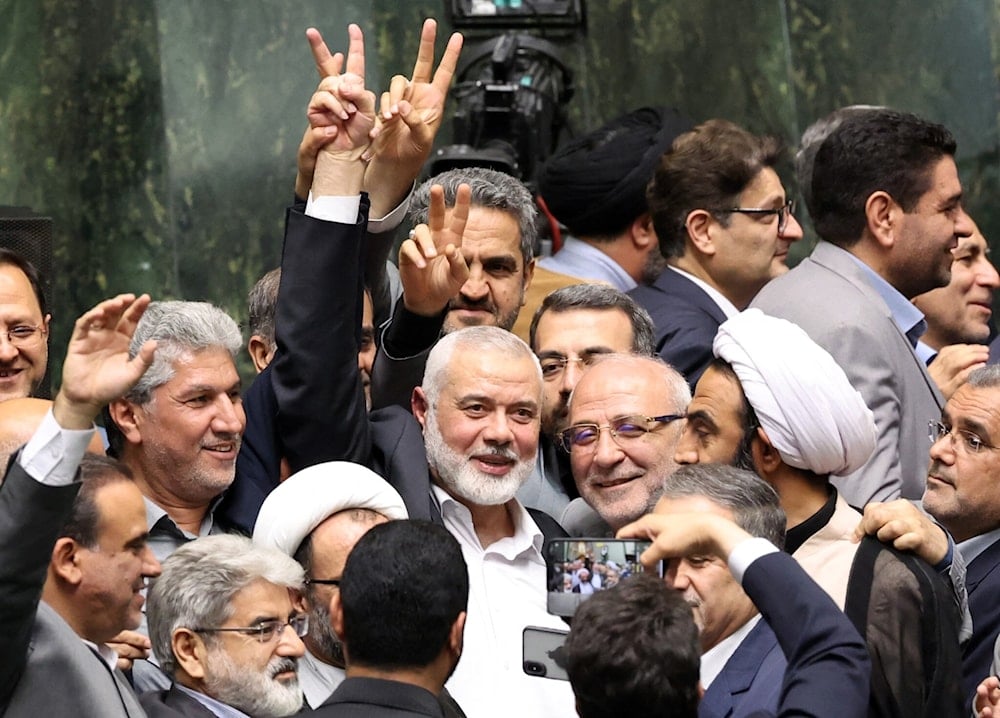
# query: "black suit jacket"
[686,321]
[378,698]
[173,703]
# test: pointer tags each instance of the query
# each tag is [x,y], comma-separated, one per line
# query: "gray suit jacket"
[828,295]
[45,668]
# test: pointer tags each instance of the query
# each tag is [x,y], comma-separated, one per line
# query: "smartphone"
[543,652]
[579,567]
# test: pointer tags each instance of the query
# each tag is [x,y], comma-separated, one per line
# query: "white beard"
[463,480]
[255,693]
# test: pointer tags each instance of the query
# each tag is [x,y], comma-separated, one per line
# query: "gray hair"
[755,505]
[200,580]
[262,302]
[599,296]
[985,377]
[179,328]
[481,339]
[490,190]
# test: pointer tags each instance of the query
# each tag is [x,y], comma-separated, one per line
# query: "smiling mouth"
[613,483]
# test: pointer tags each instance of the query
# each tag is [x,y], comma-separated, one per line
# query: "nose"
[150,564]
[676,577]
[987,275]
[289,644]
[943,450]
[571,375]
[366,358]
[229,417]
[792,230]
[8,352]
[475,287]
[687,448]
[498,429]
[963,224]
[607,452]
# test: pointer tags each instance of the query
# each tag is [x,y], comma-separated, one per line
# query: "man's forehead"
[214,364]
[607,328]
[979,405]
[16,290]
[487,224]
[691,503]
[617,386]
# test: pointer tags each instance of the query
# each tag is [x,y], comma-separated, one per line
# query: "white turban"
[311,496]
[813,416]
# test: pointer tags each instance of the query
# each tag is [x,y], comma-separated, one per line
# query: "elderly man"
[720,529]
[725,226]
[75,557]
[219,621]
[402,627]
[794,418]
[624,419]
[24,356]
[887,203]
[316,516]
[573,328]
[479,407]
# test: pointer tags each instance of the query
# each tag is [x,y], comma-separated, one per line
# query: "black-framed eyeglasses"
[323,581]
[622,430]
[783,212]
[265,631]
[971,442]
[25,334]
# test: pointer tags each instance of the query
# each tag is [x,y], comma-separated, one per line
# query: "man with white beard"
[226,626]
[479,406]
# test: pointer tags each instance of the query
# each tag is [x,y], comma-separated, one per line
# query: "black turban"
[596,185]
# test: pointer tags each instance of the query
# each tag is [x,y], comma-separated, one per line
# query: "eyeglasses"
[323,581]
[972,443]
[623,430]
[783,212]
[24,334]
[265,631]
[554,366]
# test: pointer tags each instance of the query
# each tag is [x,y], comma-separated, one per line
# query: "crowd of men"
[361,531]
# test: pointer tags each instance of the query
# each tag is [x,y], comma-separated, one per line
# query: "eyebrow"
[976,427]
[589,351]
[702,416]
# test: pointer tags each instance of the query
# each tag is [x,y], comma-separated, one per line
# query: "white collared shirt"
[318,680]
[727,307]
[507,591]
[715,658]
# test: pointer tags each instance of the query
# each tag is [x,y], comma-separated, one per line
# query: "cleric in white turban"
[813,416]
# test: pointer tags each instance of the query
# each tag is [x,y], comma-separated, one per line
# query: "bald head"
[19,418]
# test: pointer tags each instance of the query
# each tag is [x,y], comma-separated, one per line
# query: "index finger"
[449,61]
[355,50]
[425,53]
[326,63]
[436,211]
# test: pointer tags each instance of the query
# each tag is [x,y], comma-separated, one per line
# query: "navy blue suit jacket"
[686,321]
[982,580]
[828,669]
[751,680]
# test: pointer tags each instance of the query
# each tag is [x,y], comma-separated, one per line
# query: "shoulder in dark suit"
[378,698]
[982,580]
[751,679]
[686,321]
[171,703]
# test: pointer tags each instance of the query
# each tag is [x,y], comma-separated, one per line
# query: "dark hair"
[748,417]
[634,652]
[755,505]
[262,302]
[96,472]
[707,168]
[870,151]
[12,258]
[404,584]
[598,296]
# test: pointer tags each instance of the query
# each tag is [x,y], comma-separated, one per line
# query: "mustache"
[483,304]
[499,451]
[282,665]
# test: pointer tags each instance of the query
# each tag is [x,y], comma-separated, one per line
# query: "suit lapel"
[677,285]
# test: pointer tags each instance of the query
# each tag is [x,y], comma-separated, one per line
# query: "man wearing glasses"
[624,420]
[887,202]
[24,323]
[725,226]
[225,626]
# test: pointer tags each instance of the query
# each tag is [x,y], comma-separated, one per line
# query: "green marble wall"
[161,135]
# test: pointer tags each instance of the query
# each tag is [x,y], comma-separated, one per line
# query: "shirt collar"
[798,535]
[971,548]
[158,519]
[578,258]
[714,660]
[221,710]
[905,314]
[458,519]
[727,307]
